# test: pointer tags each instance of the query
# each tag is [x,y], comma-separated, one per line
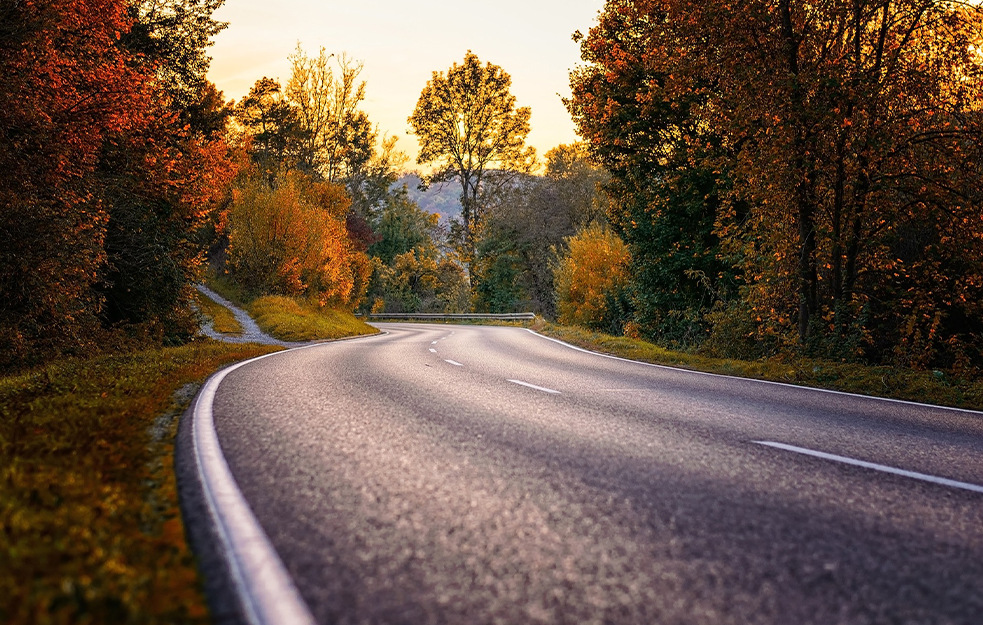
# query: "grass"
[223,320]
[90,530]
[290,319]
[932,387]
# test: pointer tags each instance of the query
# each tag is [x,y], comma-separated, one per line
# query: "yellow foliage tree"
[291,239]
[591,278]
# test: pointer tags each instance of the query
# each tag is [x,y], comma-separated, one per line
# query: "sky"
[402,43]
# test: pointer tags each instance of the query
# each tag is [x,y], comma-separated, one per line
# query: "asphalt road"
[454,474]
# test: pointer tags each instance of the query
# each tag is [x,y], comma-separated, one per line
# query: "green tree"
[468,127]
[272,124]
[524,226]
[666,170]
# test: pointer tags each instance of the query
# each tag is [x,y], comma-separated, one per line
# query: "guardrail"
[526,316]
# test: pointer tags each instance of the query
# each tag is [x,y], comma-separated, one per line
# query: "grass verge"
[223,320]
[931,387]
[289,319]
[90,530]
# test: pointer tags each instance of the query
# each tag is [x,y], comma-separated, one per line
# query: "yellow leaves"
[594,269]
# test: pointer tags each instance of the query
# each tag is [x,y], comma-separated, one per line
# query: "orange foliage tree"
[848,134]
[103,182]
[65,86]
[291,239]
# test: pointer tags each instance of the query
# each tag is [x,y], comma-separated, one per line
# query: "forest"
[754,180]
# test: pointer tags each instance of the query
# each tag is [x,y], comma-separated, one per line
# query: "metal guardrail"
[526,316]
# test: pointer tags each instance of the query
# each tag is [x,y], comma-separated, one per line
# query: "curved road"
[454,474]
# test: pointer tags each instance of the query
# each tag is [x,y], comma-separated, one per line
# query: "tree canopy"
[467,125]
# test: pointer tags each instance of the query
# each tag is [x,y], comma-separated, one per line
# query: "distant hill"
[445,200]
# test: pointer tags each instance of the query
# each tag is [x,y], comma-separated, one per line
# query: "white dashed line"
[433,351]
[876,467]
[454,362]
[433,342]
[538,388]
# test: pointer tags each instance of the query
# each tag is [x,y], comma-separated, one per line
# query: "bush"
[591,280]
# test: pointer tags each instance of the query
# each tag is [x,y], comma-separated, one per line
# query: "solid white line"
[433,351]
[734,377]
[455,363]
[265,590]
[538,388]
[876,467]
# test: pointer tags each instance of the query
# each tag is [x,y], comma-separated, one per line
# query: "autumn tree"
[65,86]
[103,182]
[666,168]
[469,129]
[849,139]
[524,226]
[291,239]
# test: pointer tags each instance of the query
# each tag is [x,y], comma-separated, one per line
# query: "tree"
[172,36]
[65,87]
[666,169]
[338,139]
[411,274]
[844,132]
[590,280]
[467,124]
[276,133]
[291,239]
[524,226]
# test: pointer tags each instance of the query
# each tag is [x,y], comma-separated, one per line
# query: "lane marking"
[455,363]
[734,377]
[265,590]
[538,388]
[433,351]
[876,467]
[433,342]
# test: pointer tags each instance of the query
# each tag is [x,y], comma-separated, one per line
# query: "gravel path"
[250,331]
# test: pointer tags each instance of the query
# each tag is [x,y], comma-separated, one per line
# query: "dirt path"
[250,331]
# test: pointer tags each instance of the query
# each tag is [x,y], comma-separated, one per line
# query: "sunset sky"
[402,43]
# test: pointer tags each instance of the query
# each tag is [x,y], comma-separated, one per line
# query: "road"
[455,474]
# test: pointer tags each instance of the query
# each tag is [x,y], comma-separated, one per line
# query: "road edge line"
[734,377]
[264,589]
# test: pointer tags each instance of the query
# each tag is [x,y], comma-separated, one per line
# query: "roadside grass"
[227,288]
[292,319]
[223,320]
[90,530]
[930,387]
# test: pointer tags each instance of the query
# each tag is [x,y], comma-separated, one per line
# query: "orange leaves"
[291,239]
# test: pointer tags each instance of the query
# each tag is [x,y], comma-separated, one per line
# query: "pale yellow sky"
[401,43]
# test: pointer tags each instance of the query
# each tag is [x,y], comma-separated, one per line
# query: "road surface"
[454,474]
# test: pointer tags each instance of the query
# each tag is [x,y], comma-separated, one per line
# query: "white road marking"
[538,388]
[433,351]
[734,377]
[876,467]
[264,588]
[455,363]
[433,342]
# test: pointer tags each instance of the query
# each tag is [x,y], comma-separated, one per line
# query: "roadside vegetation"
[221,318]
[289,319]
[89,521]
[931,387]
